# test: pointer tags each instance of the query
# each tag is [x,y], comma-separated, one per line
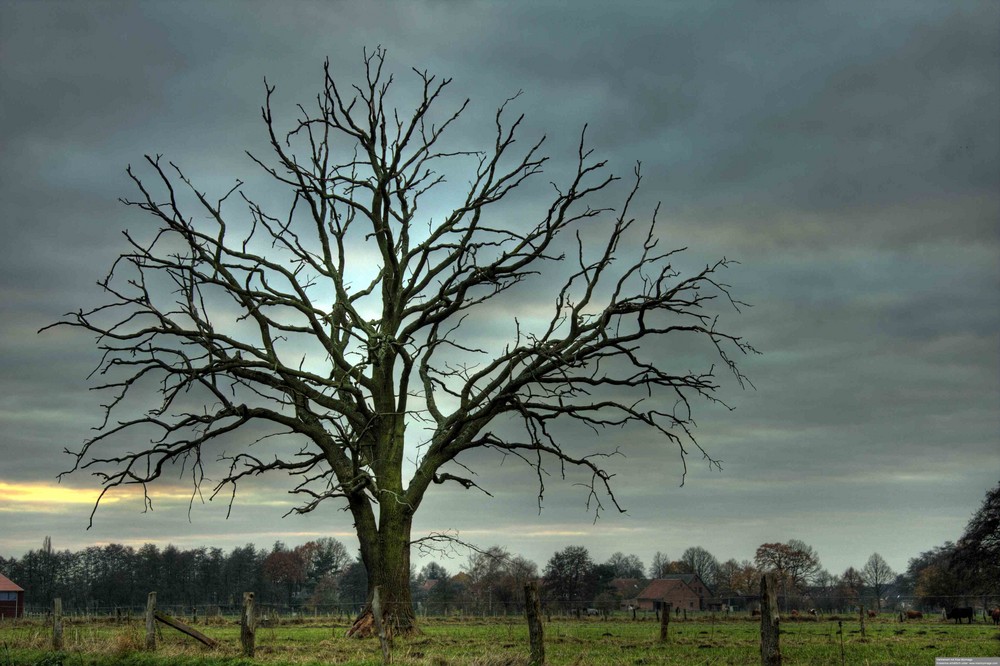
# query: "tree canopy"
[977,554]
[339,329]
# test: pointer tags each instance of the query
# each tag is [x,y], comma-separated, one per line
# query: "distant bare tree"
[626,566]
[877,574]
[660,566]
[794,563]
[332,330]
[852,583]
[702,563]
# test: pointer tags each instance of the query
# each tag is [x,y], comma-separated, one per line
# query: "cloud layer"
[845,153]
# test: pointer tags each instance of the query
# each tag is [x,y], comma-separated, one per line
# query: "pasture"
[504,642]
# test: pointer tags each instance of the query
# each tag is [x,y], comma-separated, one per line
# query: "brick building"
[11,598]
[676,592]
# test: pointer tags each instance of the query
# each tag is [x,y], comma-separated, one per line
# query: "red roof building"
[695,582]
[677,593]
[627,590]
[11,598]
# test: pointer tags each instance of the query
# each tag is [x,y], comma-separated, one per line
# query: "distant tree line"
[117,575]
[321,573]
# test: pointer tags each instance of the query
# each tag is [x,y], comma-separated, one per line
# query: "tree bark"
[386,554]
[383,638]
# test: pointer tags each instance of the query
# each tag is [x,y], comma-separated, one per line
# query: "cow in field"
[914,615]
[872,614]
[755,612]
[995,615]
[814,612]
[959,614]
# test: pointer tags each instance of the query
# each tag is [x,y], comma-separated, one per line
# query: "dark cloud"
[846,153]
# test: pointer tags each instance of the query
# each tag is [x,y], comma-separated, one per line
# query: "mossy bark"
[387,559]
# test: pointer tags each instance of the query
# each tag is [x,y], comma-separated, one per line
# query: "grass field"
[503,642]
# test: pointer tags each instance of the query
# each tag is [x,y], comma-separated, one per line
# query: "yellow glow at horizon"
[48,495]
[44,493]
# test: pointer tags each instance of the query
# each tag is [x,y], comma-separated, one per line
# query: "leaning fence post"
[57,624]
[770,650]
[248,625]
[533,611]
[383,639]
[665,622]
[151,621]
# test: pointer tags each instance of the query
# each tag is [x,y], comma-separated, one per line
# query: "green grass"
[503,642]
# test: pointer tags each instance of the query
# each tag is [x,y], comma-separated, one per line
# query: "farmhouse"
[704,593]
[675,592]
[626,591]
[11,598]
[693,581]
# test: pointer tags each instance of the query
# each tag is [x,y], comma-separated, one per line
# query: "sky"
[847,154]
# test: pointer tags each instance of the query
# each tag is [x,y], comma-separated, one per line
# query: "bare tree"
[702,563]
[852,584]
[794,564]
[877,574]
[660,566]
[337,324]
[626,566]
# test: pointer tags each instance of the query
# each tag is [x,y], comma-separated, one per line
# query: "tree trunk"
[387,559]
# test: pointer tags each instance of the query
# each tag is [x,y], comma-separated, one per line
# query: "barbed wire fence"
[581,608]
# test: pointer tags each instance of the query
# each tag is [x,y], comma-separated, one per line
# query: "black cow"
[959,614]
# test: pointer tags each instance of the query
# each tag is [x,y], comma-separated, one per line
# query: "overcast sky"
[846,153]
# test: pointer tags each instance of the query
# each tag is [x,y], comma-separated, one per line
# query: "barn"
[11,598]
[675,592]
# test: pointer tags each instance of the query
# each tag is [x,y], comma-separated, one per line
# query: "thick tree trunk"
[387,559]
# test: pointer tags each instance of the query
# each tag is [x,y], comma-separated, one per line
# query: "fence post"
[151,621]
[57,624]
[861,615]
[840,630]
[665,622]
[533,611]
[248,625]
[383,639]
[770,650]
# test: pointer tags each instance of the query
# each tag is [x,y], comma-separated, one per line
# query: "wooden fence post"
[665,622]
[151,621]
[383,639]
[57,624]
[770,650]
[861,615]
[248,625]
[533,611]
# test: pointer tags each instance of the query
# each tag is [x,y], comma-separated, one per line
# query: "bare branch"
[334,328]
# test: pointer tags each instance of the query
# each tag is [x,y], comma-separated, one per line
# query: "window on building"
[8,596]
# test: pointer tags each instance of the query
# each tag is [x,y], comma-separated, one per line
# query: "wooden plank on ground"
[184,629]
